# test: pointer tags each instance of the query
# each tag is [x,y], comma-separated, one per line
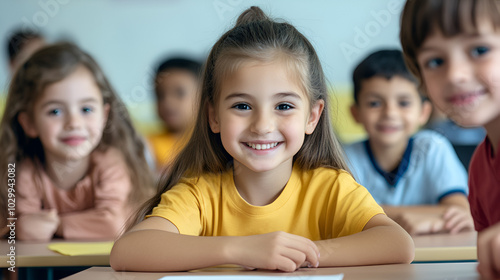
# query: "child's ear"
[213,119]
[426,112]
[27,124]
[355,112]
[314,116]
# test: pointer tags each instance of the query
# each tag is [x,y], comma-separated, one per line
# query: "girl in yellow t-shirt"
[262,182]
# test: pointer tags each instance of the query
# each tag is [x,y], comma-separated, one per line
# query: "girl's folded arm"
[37,226]
[108,216]
[156,245]
[95,223]
[382,241]
[33,222]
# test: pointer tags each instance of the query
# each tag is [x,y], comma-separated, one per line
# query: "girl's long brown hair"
[50,65]
[255,37]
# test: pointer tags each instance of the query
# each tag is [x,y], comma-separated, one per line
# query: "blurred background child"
[416,177]
[21,45]
[80,166]
[176,86]
[456,56]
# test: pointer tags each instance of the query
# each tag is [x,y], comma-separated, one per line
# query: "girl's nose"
[262,123]
[73,120]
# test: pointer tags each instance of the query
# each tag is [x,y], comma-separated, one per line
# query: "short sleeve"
[354,207]
[181,205]
[445,171]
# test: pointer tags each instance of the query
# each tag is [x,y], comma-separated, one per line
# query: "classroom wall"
[129,37]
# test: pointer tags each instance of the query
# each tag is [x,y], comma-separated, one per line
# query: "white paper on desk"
[255,277]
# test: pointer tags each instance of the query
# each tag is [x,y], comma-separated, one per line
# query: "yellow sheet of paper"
[82,248]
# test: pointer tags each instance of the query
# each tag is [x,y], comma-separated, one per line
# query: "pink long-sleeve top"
[95,208]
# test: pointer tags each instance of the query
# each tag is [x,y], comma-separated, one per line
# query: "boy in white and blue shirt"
[417,178]
[429,171]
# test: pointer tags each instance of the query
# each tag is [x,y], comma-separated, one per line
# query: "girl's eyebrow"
[59,102]
[288,94]
[89,100]
[278,95]
[237,95]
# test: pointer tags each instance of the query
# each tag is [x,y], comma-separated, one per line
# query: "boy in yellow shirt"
[176,85]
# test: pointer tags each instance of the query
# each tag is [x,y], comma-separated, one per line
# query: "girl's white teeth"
[262,146]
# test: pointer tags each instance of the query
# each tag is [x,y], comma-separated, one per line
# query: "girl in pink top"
[79,165]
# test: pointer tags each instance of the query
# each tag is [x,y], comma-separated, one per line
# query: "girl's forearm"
[30,231]
[92,224]
[39,226]
[158,250]
[377,245]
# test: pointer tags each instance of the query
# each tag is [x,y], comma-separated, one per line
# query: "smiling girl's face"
[69,117]
[262,116]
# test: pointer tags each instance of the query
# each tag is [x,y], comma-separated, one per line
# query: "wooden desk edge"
[35,261]
[466,253]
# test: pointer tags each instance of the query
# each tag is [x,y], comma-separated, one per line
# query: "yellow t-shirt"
[317,204]
[165,147]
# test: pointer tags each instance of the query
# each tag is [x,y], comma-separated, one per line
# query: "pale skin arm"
[488,252]
[156,245]
[382,241]
[452,215]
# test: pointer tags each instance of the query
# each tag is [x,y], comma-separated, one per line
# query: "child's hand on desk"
[39,226]
[454,219]
[276,250]
[488,252]
[417,223]
[457,219]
